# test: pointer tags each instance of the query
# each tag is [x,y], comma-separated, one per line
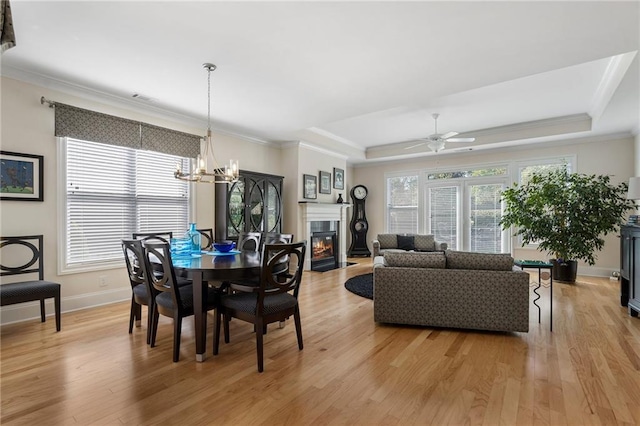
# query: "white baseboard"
[593,271]
[31,310]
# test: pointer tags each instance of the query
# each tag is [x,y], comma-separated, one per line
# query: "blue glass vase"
[195,238]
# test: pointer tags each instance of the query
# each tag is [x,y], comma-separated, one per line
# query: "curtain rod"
[44,100]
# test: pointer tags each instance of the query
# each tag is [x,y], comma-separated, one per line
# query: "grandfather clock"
[359,225]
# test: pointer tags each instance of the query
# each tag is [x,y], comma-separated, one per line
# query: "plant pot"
[565,270]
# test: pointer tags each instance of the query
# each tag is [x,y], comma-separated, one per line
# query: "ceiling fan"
[436,141]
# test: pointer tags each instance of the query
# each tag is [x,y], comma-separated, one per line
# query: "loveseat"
[451,289]
[406,242]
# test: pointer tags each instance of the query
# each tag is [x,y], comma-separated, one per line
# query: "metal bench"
[30,290]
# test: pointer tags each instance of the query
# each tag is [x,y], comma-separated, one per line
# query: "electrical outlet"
[102,281]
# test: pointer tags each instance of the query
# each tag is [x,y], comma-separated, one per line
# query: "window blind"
[113,191]
[402,204]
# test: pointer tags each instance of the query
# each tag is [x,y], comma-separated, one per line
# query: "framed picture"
[22,176]
[325,183]
[310,187]
[338,178]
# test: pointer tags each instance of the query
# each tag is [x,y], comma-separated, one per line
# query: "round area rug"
[362,285]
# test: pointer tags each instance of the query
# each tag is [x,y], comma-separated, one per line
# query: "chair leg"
[154,326]
[227,318]
[56,301]
[259,345]
[177,328]
[216,332]
[296,319]
[149,321]
[42,313]
[132,314]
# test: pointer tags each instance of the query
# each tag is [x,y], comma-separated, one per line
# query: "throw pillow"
[388,241]
[479,261]
[425,242]
[416,260]
[405,242]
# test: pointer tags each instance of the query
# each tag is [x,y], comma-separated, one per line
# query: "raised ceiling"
[359,78]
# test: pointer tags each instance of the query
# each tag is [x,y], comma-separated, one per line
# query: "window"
[402,204]
[109,193]
[526,170]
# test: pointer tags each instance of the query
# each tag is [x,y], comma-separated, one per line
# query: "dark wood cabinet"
[630,268]
[252,204]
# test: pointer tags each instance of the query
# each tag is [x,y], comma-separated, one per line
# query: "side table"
[540,265]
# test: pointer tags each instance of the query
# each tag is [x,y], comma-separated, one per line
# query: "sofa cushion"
[416,260]
[388,241]
[481,261]
[424,242]
[406,242]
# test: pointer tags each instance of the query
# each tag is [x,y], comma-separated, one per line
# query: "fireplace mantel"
[310,212]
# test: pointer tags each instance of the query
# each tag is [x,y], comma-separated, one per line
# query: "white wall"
[28,127]
[609,157]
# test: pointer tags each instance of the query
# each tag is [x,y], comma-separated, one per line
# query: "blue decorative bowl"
[223,246]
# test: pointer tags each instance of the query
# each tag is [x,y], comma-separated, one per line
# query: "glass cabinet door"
[274,205]
[235,222]
[256,205]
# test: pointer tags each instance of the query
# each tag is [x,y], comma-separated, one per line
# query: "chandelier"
[206,168]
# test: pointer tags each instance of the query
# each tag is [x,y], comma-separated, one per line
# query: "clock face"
[360,192]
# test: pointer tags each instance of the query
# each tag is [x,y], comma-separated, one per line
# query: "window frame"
[64,268]
[420,201]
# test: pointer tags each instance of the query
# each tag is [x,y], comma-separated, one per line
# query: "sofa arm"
[439,245]
[376,248]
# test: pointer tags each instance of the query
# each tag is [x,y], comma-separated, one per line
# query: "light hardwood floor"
[351,371]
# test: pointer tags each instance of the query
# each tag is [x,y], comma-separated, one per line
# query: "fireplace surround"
[324,212]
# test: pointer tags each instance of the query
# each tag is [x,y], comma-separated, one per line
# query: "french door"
[466,213]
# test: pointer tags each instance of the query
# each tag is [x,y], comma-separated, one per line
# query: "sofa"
[405,242]
[451,289]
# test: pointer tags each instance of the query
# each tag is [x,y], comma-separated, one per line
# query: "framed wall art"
[22,176]
[325,183]
[310,187]
[338,178]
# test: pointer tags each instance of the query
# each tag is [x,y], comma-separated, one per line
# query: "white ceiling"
[358,78]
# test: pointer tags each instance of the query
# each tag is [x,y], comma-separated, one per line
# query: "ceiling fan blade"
[416,145]
[461,140]
[448,135]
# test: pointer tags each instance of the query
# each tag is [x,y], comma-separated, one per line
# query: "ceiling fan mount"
[436,141]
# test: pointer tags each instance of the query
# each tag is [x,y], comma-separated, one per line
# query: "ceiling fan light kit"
[436,142]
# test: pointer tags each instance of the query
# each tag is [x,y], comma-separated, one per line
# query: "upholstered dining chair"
[206,241]
[249,241]
[273,300]
[141,290]
[171,300]
[162,237]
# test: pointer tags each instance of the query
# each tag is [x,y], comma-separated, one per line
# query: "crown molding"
[312,147]
[611,79]
[117,101]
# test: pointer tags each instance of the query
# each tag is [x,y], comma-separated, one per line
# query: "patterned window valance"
[83,124]
[7,34]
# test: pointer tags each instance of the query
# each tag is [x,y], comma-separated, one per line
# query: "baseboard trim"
[31,310]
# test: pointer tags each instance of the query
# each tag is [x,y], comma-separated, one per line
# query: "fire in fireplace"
[324,251]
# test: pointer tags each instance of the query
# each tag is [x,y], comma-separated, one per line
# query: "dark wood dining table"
[214,269]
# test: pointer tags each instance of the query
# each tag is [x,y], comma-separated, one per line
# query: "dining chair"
[207,238]
[163,237]
[141,291]
[249,241]
[171,300]
[272,301]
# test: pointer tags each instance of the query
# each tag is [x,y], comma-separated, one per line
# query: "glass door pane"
[485,211]
[235,224]
[273,210]
[256,205]
[444,213]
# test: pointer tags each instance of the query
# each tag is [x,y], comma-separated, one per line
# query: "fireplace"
[324,217]
[324,251]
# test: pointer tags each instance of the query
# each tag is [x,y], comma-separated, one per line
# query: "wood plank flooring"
[351,371]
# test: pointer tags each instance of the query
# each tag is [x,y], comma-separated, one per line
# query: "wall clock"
[359,225]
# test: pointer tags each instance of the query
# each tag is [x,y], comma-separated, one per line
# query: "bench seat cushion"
[26,291]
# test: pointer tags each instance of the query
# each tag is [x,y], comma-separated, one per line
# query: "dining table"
[211,268]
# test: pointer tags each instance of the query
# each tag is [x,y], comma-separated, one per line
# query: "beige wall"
[27,127]
[610,157]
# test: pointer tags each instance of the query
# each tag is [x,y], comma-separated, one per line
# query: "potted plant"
[566,214]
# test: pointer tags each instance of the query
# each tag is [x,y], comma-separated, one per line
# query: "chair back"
[157,258]
[163,237]
[273,256]
[206,242]
[277,238]
[134,258]
[249,241]
[35,265]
